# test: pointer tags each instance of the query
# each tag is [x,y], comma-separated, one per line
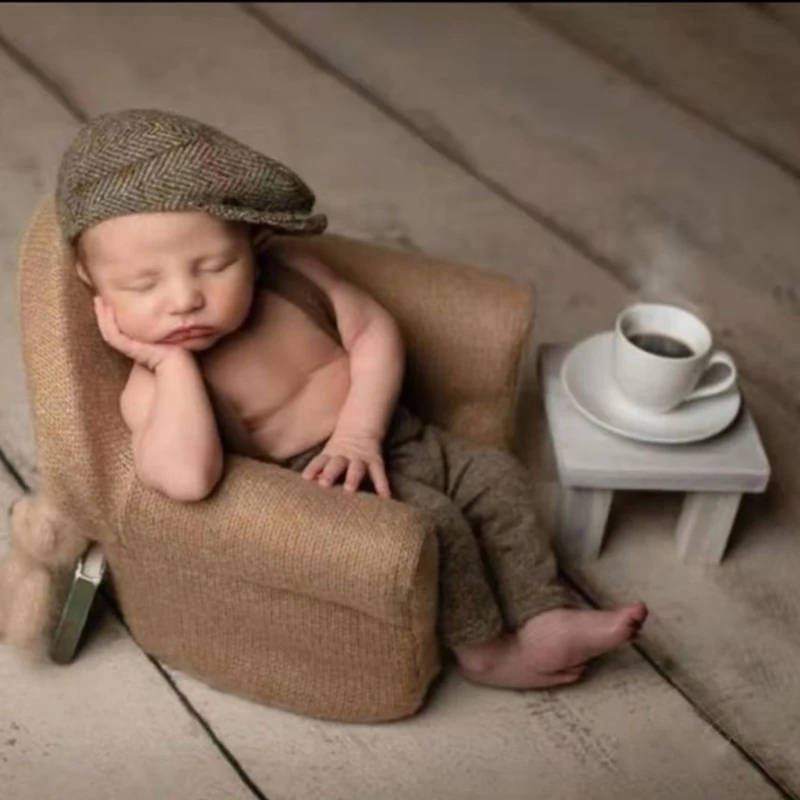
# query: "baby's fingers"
[333,469]
[107,324]
[377,473]
[355,474]
[315,467]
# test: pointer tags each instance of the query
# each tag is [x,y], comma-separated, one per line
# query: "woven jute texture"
[141,160]
[272,588]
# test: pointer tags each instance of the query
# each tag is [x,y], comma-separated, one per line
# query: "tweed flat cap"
[142,160]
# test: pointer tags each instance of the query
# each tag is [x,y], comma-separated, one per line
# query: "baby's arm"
[176,446]
[373,341]
[377,361]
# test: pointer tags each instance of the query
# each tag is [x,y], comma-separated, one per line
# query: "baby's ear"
[80,267]
[83,274]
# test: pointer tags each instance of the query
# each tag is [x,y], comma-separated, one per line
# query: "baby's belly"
[305,419]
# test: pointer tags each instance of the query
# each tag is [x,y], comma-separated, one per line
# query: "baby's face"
[164,273]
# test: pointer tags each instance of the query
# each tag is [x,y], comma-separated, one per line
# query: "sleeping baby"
[242,342]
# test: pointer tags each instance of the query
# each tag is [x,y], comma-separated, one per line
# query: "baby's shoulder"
[287,254]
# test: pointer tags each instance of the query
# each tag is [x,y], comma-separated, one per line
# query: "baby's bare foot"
[563,638]
[502,662]
[551,649]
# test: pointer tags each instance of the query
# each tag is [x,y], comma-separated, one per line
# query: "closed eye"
[139,287]
[221,266]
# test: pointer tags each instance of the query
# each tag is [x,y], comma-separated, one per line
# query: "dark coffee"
[660,344]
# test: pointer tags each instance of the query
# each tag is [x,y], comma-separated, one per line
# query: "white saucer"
[587,378]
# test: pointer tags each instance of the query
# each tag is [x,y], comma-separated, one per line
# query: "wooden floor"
[607,153]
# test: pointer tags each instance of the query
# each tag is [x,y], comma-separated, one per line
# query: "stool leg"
[705,525]
[582,518]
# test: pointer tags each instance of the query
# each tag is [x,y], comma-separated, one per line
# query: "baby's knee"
[502,470]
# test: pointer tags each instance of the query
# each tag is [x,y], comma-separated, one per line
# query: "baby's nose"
[187,298]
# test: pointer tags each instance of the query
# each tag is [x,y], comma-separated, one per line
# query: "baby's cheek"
[235,302]
[138,321]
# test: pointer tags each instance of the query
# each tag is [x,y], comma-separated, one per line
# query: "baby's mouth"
[188,334]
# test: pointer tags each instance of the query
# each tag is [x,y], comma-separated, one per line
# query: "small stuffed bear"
[44,548]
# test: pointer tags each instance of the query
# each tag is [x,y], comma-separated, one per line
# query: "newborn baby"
[243,342]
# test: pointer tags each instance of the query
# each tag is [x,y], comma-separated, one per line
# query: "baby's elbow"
[190,490]
[198,484]
[186,486]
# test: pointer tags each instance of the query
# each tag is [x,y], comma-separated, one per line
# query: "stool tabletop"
[589,456]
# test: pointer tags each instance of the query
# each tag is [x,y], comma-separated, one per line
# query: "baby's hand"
[144,353]
[354,457]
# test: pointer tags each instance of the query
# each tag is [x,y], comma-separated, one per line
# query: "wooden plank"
[377,181]
[33,132]
[729,63]
[622,733]
[89,729]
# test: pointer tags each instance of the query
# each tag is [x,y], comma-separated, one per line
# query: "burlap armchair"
[272,588]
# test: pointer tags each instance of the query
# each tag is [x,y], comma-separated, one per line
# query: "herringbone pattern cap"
[142,160]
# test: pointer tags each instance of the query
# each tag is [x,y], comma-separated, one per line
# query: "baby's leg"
[496,494]
[552,641]
[468,610]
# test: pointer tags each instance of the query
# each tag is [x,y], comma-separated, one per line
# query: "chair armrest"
[268,526]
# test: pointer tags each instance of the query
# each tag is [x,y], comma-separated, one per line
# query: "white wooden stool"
[592,464]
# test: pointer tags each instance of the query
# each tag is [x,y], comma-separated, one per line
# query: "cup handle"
[724,383]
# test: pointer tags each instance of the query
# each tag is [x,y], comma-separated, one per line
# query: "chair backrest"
[464,333]
[74,380]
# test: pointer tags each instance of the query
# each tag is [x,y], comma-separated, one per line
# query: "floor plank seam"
[578,587]
[573,238]
[15,474]
[191,710]
[49,84]
[664,94]
[216,741]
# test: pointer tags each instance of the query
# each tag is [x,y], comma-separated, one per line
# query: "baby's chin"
[199,345]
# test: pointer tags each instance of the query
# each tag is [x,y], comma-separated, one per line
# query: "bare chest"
[266,365]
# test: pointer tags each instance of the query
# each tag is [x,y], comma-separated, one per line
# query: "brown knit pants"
[496,572]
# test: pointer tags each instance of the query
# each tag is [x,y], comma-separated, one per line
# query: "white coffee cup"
[661,355]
